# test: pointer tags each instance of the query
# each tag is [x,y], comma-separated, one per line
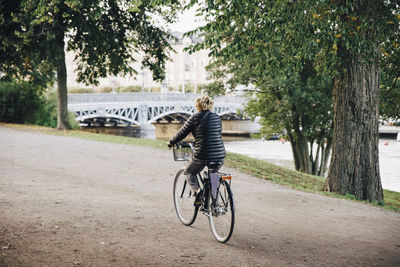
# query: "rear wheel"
[184,200]
[222,213]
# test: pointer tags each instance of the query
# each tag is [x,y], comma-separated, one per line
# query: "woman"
[208,146]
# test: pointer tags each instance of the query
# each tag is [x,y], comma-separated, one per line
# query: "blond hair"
[204,102]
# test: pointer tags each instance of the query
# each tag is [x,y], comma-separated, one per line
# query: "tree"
[355,31]
[106,35]
[216,72]
[18,101]
[17,60]
[293,93]
[389,104]
[302,111]
[361,28]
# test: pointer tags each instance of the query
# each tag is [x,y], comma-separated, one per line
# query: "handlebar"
[183,151]
[183,144]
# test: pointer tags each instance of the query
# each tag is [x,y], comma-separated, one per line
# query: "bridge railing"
[144,97]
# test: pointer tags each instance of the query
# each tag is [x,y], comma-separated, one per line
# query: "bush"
[46,114]
[19,101]
[79,90]
[201,87]
[189,88]
[107,89]
[155,89]
[129,89]
[213,89]
[22,102]
[74,124]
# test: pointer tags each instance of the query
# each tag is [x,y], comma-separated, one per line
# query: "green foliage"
[189,88]
[172,89]
[389,107]
[106,34]
[73,123]
[89,90]
[107,89]
[155,89]
[292,51]
[213,89]
[19,101]
[22,102]
[262,44]
[128,89]
[80,90]
[46,114]
[120,89]
[18,60]
[216,72]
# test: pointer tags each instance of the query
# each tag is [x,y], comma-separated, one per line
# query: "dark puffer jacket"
[208,143]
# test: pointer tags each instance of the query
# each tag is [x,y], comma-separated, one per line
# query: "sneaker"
[199,199]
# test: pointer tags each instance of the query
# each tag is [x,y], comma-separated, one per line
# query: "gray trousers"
[193,167]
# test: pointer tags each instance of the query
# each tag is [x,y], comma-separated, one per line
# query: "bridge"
[143,109]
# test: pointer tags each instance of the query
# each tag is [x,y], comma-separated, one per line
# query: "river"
[274,152]
[280,154]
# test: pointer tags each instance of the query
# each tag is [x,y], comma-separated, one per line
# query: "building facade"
[184,71]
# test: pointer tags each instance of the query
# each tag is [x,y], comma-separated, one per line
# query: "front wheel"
[184,200]
[221,213]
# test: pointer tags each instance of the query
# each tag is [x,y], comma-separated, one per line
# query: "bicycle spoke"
[183,190]
[183,200]
[222,215]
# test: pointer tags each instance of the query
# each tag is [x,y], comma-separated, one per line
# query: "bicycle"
[216,201]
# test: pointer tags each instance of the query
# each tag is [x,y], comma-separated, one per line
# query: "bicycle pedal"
[205,212]
[198,203]
[198,200]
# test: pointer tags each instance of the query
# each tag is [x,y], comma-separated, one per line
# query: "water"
[274,152]
[280,154]
[133,131]
[389,161]
[232,130]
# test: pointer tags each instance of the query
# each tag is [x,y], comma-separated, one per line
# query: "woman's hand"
[169,145]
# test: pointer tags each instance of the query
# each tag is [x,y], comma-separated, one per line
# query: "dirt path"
[67,201]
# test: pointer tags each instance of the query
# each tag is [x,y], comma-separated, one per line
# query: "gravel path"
[72,202]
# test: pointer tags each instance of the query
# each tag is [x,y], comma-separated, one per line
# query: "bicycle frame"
[216,197]
[206,185]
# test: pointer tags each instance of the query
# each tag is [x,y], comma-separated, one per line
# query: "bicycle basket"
[182,153]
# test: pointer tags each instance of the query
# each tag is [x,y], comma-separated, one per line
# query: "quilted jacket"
[208,143]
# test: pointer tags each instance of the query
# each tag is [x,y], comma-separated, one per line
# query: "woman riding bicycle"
[206,128]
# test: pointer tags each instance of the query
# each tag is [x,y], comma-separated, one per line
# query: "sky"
[187,21]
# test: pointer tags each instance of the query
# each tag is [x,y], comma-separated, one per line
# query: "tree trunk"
[328,149]
[315,162]
[325,152]
[354,167]
[300,153]
[62,118]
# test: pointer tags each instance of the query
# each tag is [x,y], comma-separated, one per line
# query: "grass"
[90,136]
[276,174]
[255,167]
[298,180]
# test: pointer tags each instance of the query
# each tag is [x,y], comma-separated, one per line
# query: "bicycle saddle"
[214,165]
